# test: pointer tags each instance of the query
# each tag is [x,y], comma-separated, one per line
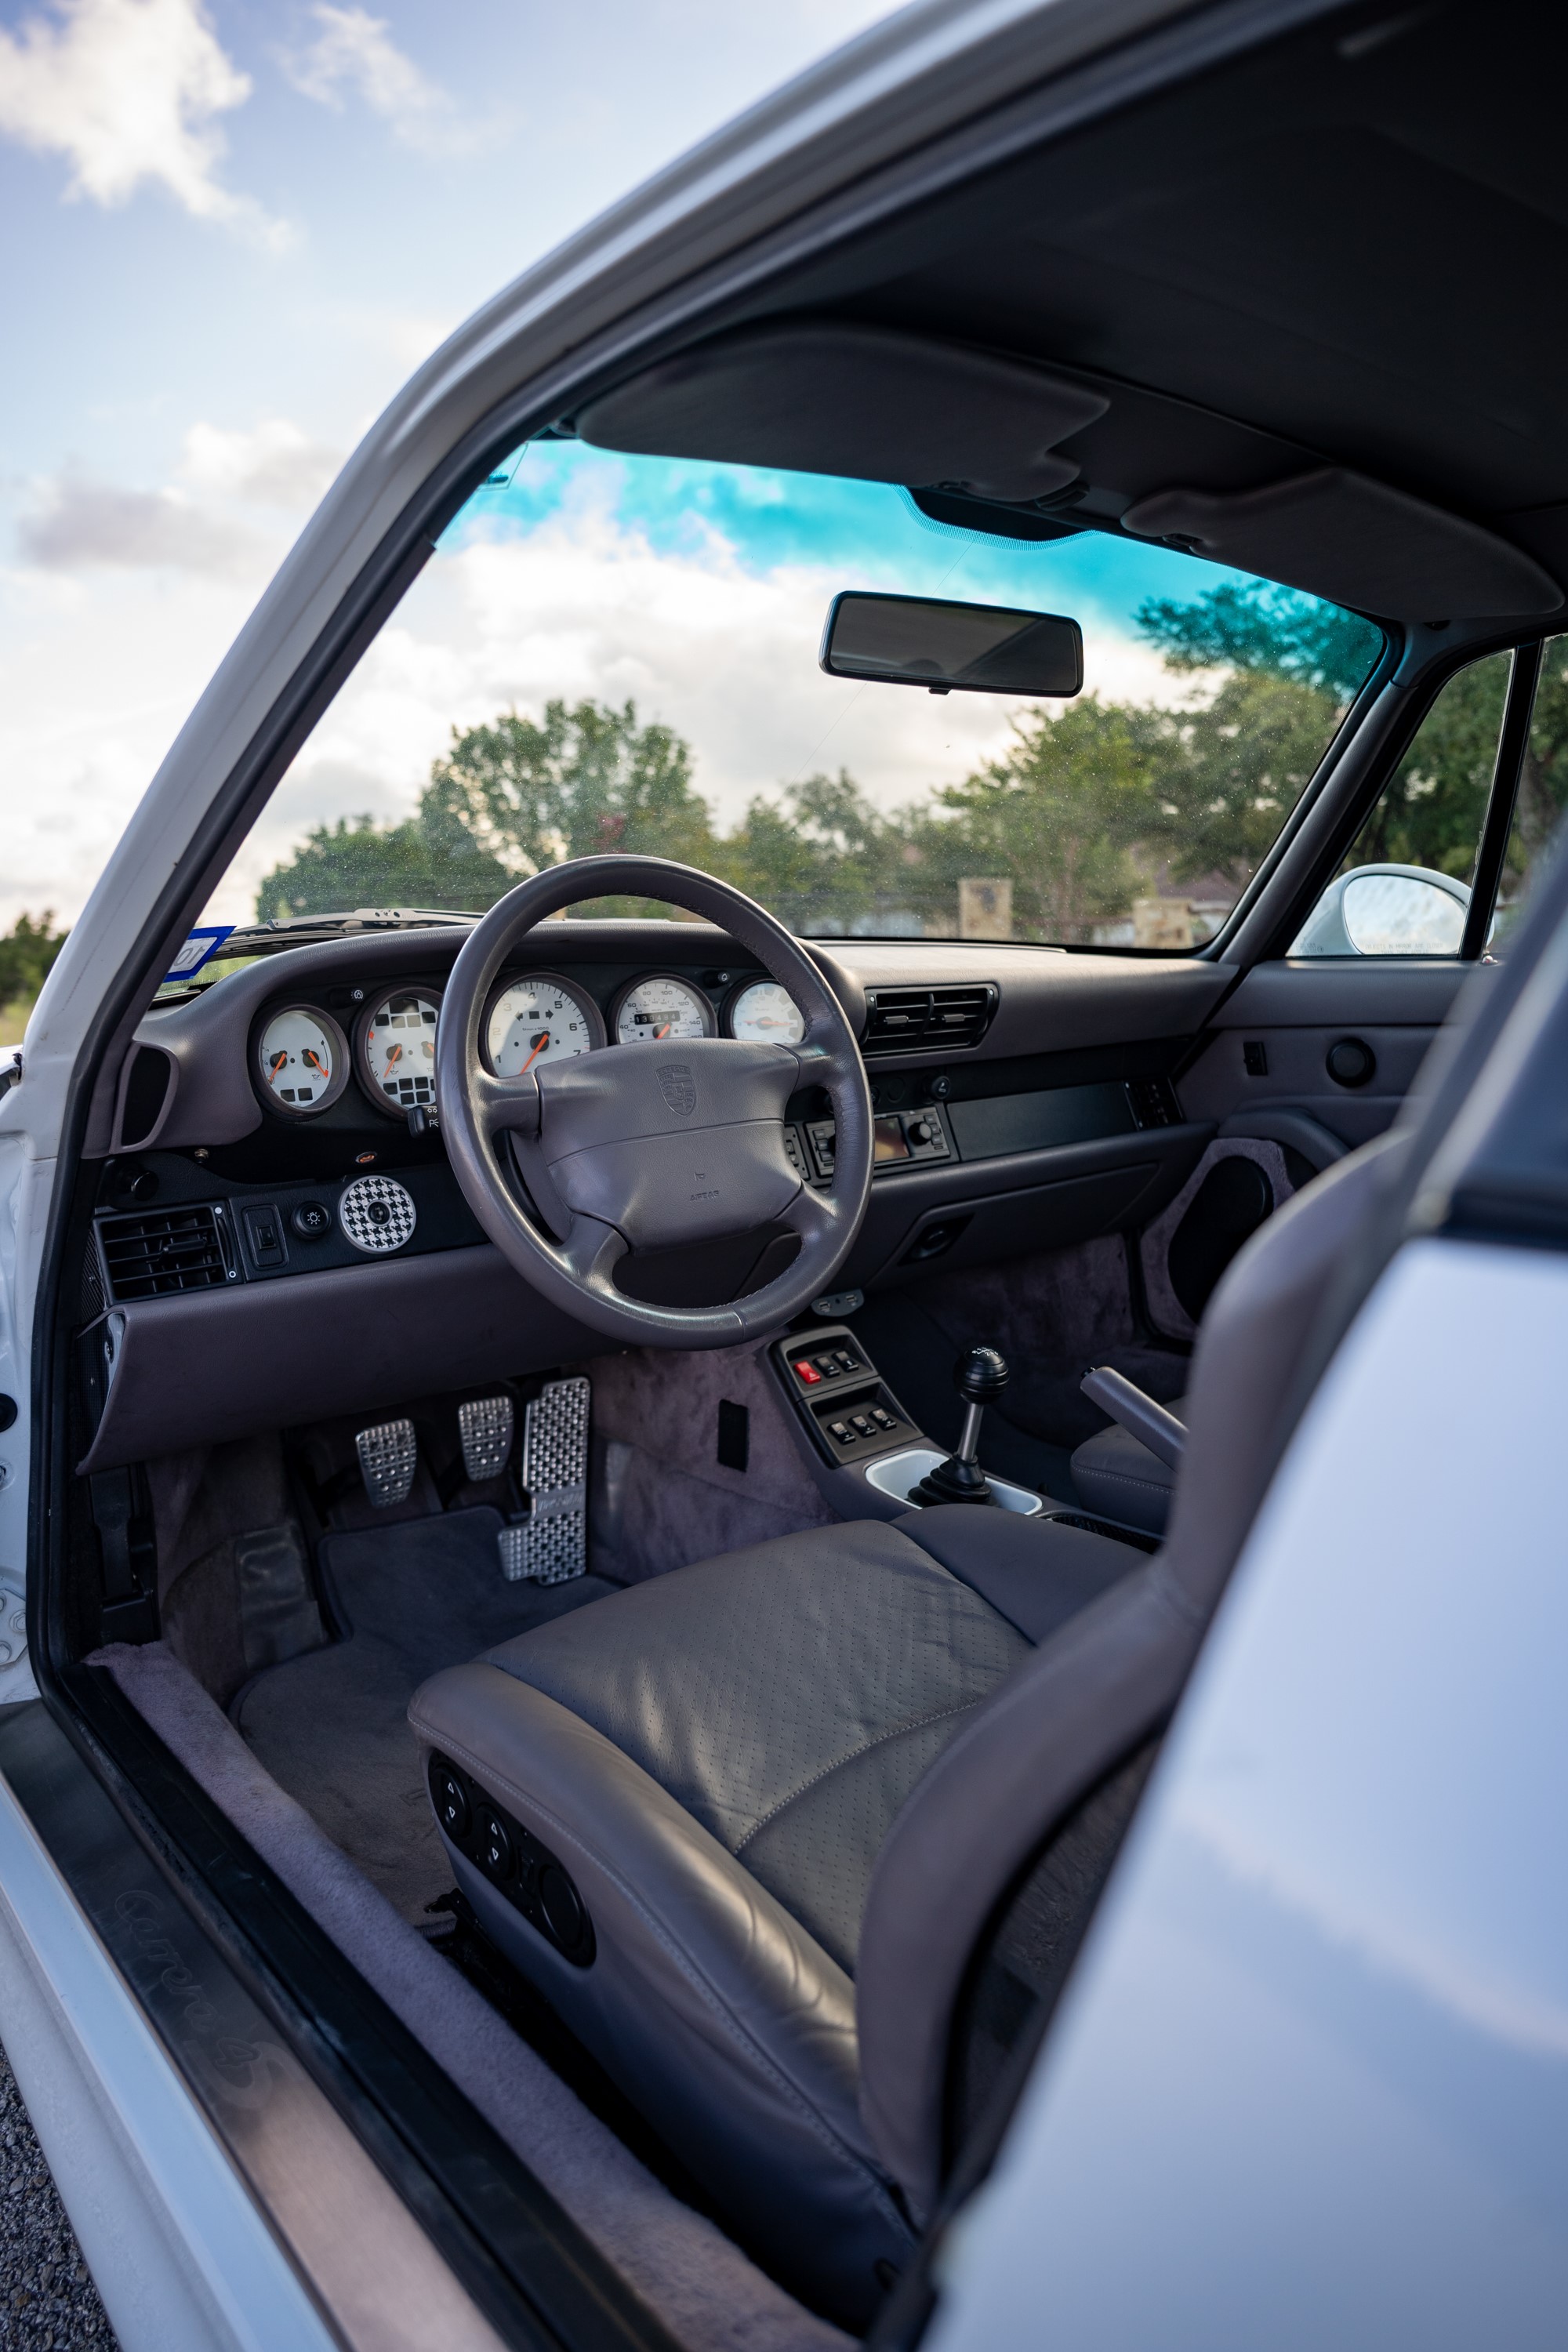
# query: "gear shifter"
[979,1376]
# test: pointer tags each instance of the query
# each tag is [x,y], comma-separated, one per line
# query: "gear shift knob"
[980,1375]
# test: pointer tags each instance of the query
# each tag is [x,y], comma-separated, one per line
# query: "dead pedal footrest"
[552,1543]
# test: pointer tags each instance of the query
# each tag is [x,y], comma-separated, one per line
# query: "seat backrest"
[1094,1695]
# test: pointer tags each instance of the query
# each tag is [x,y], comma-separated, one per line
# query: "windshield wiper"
[289,930]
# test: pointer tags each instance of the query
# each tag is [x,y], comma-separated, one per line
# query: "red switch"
[807,1374]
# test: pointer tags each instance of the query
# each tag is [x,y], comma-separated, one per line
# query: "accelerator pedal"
[552,1543]
[485,1426]
[388,1457]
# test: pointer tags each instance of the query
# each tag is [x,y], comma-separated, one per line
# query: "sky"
[231,232]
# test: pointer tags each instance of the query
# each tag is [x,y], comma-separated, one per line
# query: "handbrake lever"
[1139,1415]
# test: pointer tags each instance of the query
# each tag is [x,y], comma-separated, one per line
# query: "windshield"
[620,653]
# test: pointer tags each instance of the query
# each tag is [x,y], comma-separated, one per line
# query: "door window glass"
[1404,886]
[1542,787]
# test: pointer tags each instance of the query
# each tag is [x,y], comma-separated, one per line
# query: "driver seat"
[772,1805]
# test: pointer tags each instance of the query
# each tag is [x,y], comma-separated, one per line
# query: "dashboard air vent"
[900,1020]
[163,1253]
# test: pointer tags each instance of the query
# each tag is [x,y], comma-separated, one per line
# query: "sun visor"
[1356,542]
[868,402]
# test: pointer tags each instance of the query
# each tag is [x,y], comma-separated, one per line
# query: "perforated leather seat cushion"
[789,1698]
[1115,1474]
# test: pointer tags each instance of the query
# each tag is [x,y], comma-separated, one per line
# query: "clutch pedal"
[552,1544]
[388,1457]
[485,1426]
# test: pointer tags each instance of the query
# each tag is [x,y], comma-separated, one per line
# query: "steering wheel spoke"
[591,1251]
[505,1106]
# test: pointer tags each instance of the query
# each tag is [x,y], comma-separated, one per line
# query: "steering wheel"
[636,1146]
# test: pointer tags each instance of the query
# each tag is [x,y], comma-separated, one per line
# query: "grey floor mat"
[331,1726]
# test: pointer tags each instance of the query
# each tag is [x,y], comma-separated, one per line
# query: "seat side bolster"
[723,2019]
[1070,1713]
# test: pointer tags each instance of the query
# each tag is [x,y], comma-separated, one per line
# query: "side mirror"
[978,648]
[1386,910]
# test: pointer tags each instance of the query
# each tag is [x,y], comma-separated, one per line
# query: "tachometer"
[766,1012]
[398,1050]
[661,1007]
[302,1061]
[540,1018]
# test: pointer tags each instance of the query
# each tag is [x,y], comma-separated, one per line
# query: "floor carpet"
[331,1726]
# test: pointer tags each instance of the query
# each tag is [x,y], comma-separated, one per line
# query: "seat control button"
[494,1843]
[451,1802]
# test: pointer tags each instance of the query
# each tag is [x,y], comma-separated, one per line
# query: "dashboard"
[276,1233]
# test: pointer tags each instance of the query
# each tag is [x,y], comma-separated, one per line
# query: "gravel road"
[48,2300]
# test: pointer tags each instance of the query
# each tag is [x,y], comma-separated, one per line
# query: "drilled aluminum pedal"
[485,1426]
[552,1543]
[388,1457]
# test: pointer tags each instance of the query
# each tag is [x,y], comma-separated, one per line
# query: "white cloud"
[276,465]
[353,51]
[128,91]
[585,606]
[80,524]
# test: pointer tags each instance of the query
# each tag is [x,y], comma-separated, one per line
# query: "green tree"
[1226,776]
[358,863]
[507,800]
[1069,814]
[824,859]
[1431,811]
[1255,626]
[28,952]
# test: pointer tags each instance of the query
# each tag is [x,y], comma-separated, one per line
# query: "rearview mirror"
[979,649]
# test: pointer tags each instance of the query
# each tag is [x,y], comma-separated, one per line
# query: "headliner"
[1346,247]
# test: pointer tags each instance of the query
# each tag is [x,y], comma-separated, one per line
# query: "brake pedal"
[388,1457]
[552,1544]
[485,1426]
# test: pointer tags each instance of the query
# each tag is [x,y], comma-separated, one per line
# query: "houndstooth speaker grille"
[376,1214]
[552,1543]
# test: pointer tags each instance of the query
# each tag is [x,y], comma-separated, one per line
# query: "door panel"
[1271,1041]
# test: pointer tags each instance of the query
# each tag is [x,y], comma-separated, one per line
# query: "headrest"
[820,397]
[1356,542]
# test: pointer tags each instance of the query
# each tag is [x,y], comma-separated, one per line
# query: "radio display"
[892,1143]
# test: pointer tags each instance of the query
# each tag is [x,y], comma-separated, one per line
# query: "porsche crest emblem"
[678,1086]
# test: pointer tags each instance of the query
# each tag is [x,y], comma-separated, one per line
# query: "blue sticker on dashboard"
[200,947]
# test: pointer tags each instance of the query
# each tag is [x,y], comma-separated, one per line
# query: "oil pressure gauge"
[301,1061]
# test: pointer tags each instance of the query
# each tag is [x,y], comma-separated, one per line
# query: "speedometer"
[398,1050]
[661,1007]
[766,1012]
[540,1018]
[302,1061]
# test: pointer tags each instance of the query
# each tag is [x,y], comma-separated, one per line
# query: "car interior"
[644,1588]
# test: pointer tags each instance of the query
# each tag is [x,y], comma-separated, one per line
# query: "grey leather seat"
[1121,1479]
[792,1786]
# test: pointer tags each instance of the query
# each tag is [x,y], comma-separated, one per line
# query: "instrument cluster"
[304,1060]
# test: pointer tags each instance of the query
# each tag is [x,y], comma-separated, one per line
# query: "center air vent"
[164,1252]
[901,1020]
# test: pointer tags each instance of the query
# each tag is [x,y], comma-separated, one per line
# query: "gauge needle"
[279,1065]
[396,1055]
[314,1059]
[662,1032]
[540,1044]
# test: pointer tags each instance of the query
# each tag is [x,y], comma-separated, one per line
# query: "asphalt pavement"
[48,2300]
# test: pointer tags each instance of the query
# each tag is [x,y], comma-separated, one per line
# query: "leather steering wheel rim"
[620,1125]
